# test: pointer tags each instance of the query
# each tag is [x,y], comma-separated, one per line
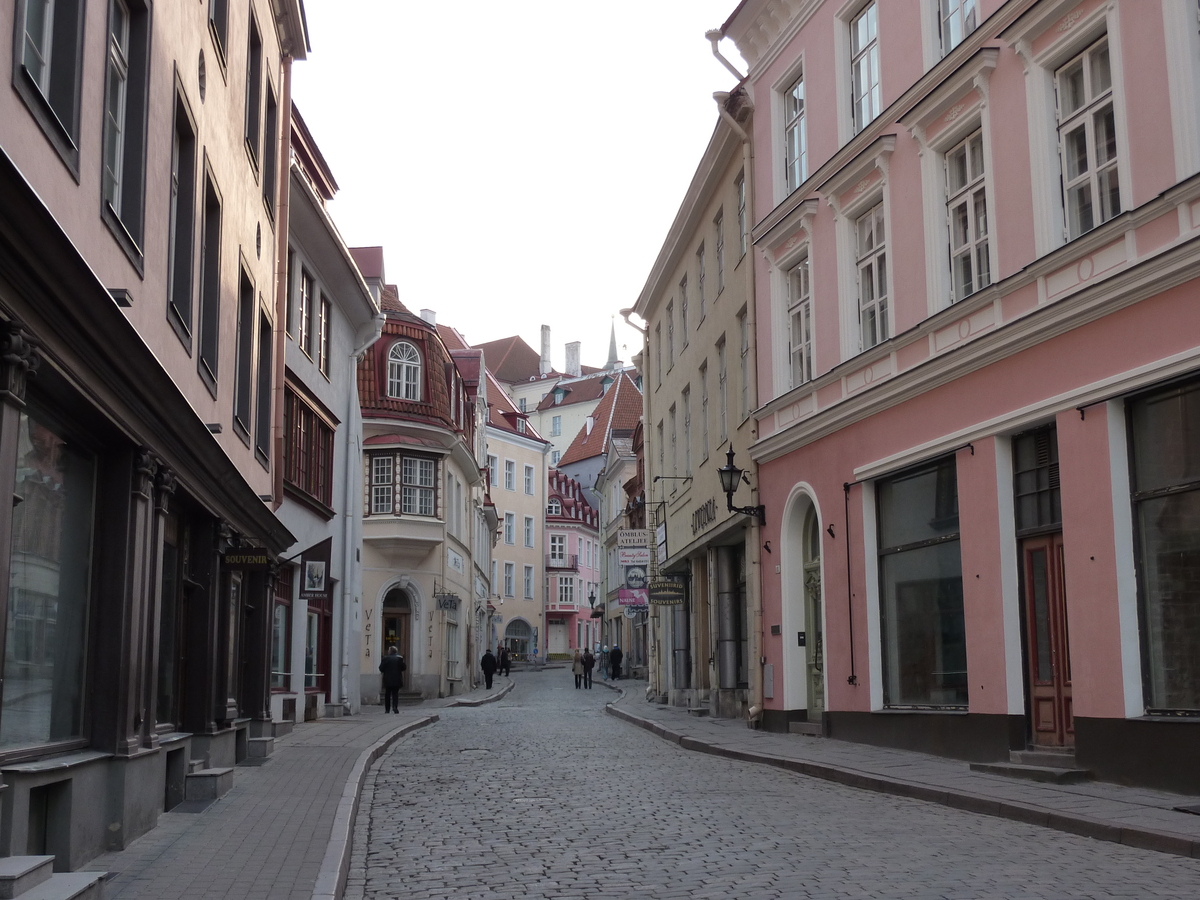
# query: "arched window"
[554,507]
[404,372]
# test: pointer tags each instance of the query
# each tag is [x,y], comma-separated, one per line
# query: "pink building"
[572,565]
[978,341]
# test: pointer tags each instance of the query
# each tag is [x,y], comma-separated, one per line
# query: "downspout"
[282,209]
[365,337]
[714,36]
[754,539]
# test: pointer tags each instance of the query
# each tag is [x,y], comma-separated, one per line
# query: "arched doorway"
[397,622]
[803,616]
[517,638]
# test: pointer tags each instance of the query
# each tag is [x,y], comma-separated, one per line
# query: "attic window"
[520,426]
[559,394]
[554,507]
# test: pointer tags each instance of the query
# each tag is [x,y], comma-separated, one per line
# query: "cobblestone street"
[526,798]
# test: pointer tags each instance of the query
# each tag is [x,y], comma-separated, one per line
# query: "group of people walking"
[585,661]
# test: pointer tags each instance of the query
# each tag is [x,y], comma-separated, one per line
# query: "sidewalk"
[282,831]
[1134,816]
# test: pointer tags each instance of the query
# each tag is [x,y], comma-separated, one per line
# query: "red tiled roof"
[503,415]
[511,359]
[580,389]
[621,408]
[452,338]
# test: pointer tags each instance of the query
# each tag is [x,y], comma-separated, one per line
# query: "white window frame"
[703,410]
[740,184]
[418,486]
[510,576]
[683,311]
[566,589]
[719,246]
[1068,38]
[528,582]
[798,278]
[493,463]
[865,104]
[554,507]
[700,277]
[555,456]
[966,240]
[404,372]
[795,136]
[958,18]
[383,484]
[871,257]
[723,388]
[1084,120]
[510,475]
[1182,40]
[529,538]
[116,94]
[529,482]
[686,401]
[670,335]
[555,426]
[558,548]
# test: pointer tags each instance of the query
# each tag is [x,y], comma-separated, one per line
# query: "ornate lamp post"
[730,475]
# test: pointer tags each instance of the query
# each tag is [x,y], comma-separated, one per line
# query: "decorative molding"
[145,467]
[950,98]
[859,172]
[19,361]
[165,482]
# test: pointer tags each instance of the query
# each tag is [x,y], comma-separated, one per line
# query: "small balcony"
[562,563]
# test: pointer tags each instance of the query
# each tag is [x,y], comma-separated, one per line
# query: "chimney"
[573,369]
[544,364]
[429,316]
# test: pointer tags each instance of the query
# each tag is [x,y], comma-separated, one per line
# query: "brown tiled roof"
[580,389]
[369,261]
[511,359]
[452,338]
[573,498]
[621,408]
[503,415]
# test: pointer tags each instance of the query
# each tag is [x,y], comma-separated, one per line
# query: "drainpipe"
[282,208]
[364,338]
[754,539]
[714,36]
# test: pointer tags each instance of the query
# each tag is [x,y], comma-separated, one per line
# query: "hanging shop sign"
[660,536]
[633,556]
[666,593]
[314,571]
[632,597]
[633,537]
[447,601]
[252,559]
[635,577]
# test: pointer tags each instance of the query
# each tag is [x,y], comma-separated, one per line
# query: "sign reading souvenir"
[314,571]
[666,593]
[633,556]
[633,537]
[247,559]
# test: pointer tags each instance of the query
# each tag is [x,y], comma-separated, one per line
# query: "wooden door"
[1046,639]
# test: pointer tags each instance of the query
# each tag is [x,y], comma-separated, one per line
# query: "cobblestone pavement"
[543,795]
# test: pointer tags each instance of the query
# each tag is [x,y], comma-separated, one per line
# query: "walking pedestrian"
[488,664]
[392,668]
[505,661]
[604,663]
[589,663]
[614,661]
[577,669]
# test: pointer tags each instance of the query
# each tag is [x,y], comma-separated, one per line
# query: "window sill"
[52,126]
[219,50]
[206,375]
[123,237]
[921,710]
[182,331]
[309,501]
[241,430]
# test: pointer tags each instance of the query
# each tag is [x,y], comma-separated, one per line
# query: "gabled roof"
[511,359]
[621,409]
[369,261]
[453,338]
[504,416]
[582,389]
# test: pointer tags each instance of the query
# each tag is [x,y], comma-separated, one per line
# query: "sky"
[520,162]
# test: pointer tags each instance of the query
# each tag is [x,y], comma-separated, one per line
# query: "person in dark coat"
[505,661]
[392,668]
[614,660]
[589,663]
[488,664]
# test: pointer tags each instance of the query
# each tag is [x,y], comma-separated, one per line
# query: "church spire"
[613,362]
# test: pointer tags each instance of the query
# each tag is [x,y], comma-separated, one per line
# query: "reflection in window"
[921,595]
[48,594]
[1166,502]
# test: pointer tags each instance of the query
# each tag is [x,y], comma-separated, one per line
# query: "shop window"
[281,630]
[48,596]
[1165,442]
[921,596]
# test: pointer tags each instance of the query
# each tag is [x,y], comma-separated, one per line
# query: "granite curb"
[335,867]
[490,698]
[1059,820]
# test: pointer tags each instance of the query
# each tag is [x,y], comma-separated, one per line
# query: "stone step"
[282,728]
[208,784]
[1043,774]
[698,710]
[334,711]
[68,886]
[1063,758]
[20,873]
[195,765]
[259,747]
[815,729]
[409,698]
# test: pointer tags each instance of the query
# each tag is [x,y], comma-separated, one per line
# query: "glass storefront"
[49,587]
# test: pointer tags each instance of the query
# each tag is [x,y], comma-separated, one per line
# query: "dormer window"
[554,507]
[404,372]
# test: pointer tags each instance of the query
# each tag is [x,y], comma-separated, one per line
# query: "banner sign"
[314,571]
[666,593]
[633,556]
[255,559]
[635,577]
[632,597]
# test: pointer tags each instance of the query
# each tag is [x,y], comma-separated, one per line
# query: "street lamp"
[596,613]
[730,475]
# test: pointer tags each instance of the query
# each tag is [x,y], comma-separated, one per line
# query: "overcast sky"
[520,162]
